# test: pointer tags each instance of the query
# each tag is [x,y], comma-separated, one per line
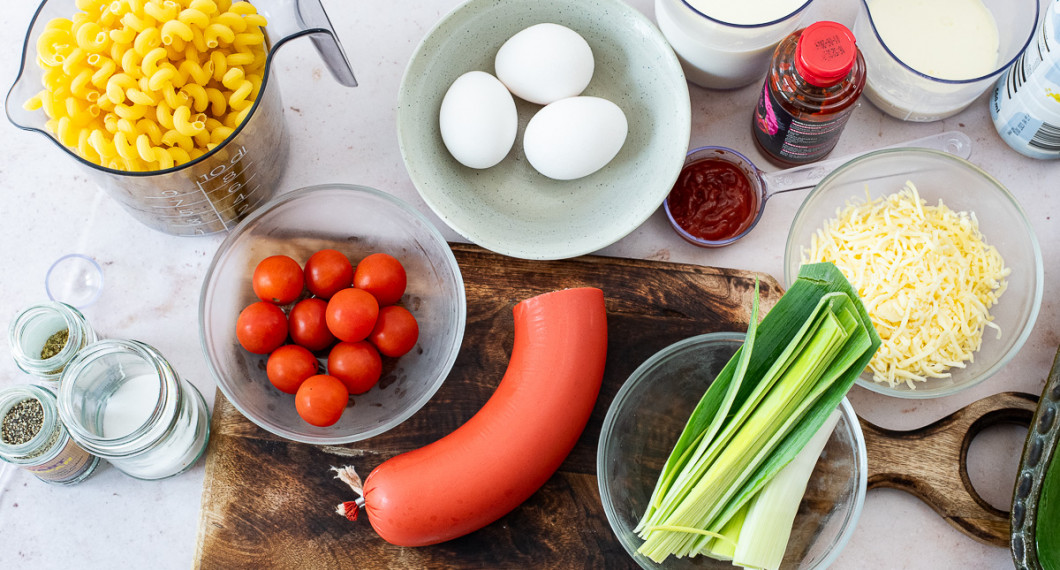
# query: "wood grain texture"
[931,463]
[269,503]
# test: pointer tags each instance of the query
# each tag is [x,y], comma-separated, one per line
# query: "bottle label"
[1025,103]
[70,463]
[791,139]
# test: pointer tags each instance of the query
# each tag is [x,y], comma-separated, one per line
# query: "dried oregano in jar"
[45,337]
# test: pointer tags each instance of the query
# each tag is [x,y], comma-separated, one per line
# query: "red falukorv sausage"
[509,449]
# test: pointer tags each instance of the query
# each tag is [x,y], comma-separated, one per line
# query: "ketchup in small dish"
[713,201]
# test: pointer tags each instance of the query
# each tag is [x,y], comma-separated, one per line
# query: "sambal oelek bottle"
[815,77]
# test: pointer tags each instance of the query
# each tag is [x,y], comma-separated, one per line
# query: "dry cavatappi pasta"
[143,85]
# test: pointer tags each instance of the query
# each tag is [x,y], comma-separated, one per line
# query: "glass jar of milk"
[724,44]
[121,400]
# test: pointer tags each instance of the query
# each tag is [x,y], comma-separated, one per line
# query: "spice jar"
[33,438]
[814,79]
[45,337]
[121,400]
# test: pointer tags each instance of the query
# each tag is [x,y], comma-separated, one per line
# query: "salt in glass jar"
[38,341]
[33,438]
[121,400]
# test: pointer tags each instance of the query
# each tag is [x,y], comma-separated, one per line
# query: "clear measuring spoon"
[764,185]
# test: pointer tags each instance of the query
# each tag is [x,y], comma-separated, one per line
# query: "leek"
[770,399]
[766,526]
[724,547]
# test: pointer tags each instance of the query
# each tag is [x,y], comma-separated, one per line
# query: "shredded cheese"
[926,276]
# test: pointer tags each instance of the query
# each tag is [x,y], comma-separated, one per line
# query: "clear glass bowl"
[962,186]
[357,221]
[647,416]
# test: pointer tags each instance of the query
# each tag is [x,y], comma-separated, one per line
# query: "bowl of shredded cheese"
[942,255]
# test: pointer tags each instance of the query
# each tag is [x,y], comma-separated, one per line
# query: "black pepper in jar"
[22,422]
[33,437]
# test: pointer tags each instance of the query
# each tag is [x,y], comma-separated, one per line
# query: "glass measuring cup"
[910,95]
[765,185]
[215,191]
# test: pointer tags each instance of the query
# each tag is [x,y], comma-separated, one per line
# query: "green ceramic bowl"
[1035,513]
[510,208]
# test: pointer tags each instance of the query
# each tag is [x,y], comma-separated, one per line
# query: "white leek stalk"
[764,536]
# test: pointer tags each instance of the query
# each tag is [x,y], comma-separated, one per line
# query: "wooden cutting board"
[269,503]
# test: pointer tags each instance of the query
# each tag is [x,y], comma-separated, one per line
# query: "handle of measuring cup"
[311,15]
[289,19]
[953,142]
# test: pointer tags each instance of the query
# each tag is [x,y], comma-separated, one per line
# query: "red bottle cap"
[825,53]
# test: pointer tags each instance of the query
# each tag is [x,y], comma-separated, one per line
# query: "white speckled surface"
[49,208]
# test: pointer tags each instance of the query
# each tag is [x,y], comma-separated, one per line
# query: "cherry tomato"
[321,399]
[351,314]
[383,276]
[357,364]
[278,279]
[308,325]
[289,365]
[327,272]
[395,331]
[261,327]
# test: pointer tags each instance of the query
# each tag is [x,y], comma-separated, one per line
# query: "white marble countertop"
[49,207]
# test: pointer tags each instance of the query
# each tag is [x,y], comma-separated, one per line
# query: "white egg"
[574,137]
[478,120]
[545,63]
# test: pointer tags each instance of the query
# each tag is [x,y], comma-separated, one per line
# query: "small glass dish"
[647,416]
[962,186]
[74,279]
[765,185]
[357,221]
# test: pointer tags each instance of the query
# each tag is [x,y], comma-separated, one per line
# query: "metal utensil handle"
[953,142]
